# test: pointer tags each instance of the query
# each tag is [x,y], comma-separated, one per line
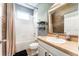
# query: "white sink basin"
[55,40]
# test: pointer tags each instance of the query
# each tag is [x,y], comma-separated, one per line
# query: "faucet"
[57,35]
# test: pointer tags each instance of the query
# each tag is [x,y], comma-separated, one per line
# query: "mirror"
[61,20]
[57,22]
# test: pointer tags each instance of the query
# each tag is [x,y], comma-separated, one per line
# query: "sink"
[55,40]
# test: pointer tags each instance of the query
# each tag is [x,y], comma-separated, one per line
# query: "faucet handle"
[57,35]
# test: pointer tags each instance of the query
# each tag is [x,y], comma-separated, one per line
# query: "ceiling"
[33,4]
[30,5]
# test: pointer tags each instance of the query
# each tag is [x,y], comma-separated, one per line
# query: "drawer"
[53,50]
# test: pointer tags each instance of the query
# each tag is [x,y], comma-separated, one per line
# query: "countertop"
[69,47]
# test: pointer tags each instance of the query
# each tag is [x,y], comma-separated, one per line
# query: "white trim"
[27,5]
[56,6]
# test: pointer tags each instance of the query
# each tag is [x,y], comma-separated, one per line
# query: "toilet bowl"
[33,45]
[33,49]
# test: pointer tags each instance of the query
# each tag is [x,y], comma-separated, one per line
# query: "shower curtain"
[10,44]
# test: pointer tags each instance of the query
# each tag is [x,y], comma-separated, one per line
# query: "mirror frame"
[51,11]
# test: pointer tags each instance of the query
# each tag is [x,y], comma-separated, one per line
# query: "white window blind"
[23,15]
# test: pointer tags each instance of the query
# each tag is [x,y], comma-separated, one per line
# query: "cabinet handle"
[45,53]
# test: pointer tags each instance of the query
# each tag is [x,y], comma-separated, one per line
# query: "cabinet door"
[52,50]
[42,51]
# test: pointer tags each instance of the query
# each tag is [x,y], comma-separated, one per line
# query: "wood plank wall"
[58,23]
[4,27]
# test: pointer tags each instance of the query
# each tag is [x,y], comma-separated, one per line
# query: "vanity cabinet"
[43,51]
[51,51]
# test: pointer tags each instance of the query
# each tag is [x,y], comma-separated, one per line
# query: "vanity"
[68,48]
[61,21]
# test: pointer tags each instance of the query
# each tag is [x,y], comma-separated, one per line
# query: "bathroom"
[29,29]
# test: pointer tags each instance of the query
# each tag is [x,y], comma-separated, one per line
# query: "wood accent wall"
[4,28]
[58,23]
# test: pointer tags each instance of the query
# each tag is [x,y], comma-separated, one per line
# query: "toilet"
[33,47]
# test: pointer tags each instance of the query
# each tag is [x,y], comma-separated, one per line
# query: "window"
[23,15]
